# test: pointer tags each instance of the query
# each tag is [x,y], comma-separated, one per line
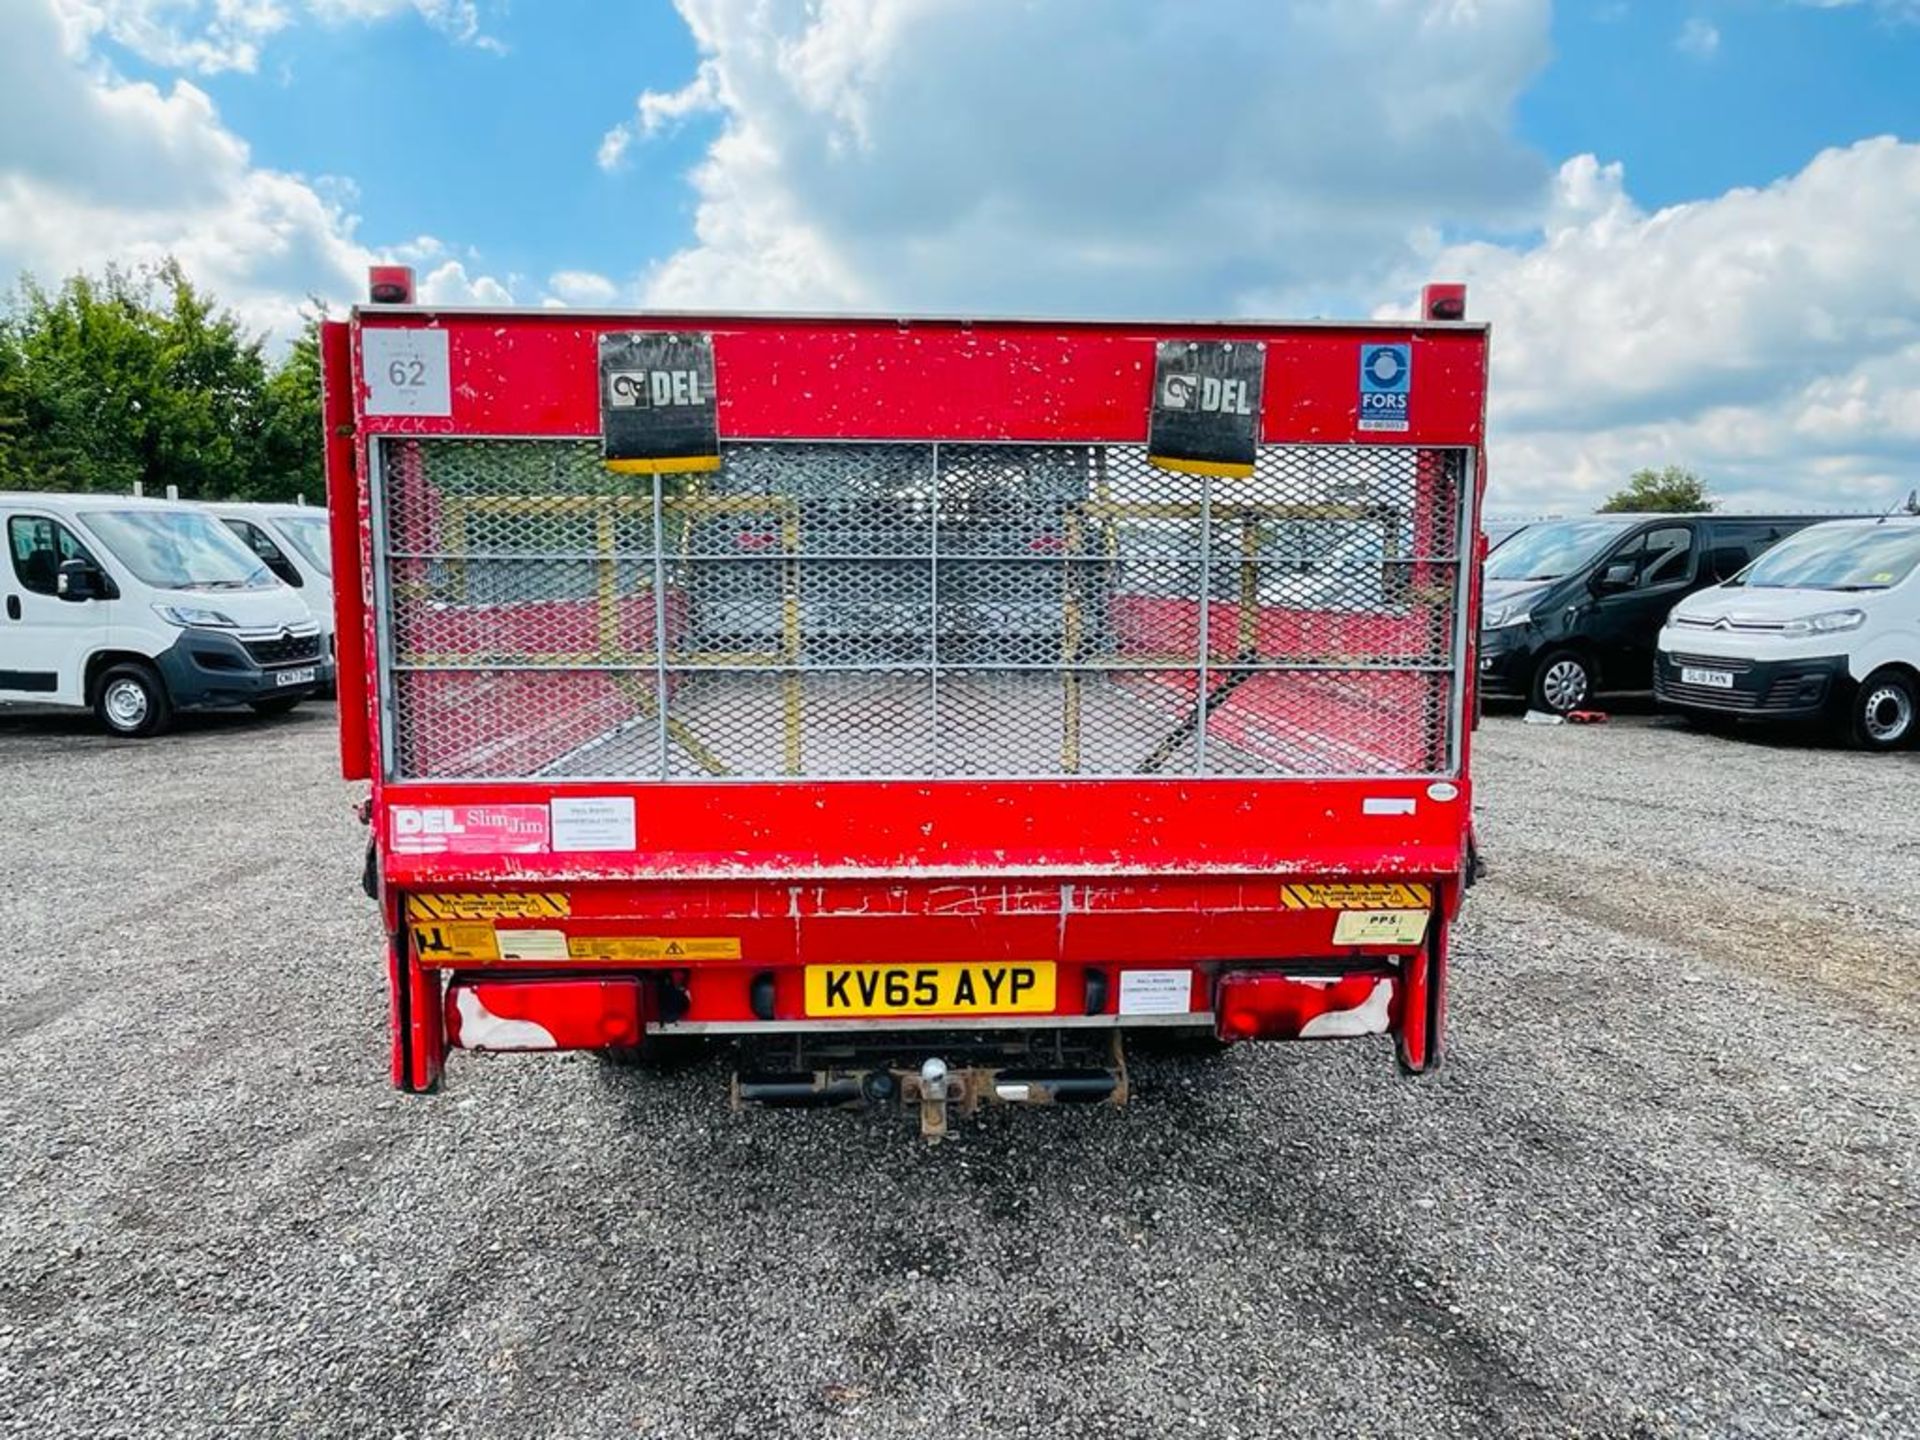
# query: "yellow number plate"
[853,990]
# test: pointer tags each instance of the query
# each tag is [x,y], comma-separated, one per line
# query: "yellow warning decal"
[505,905]
[455,940]
[1380,927]
[653,947]
[1383,896]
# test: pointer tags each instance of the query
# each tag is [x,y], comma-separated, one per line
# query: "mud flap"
[417,1029]
[1420,1042]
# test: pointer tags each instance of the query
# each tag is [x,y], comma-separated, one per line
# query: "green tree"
[137,376]
[1661,492]
[287,453]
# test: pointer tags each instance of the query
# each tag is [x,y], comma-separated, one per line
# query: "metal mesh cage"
[917,610]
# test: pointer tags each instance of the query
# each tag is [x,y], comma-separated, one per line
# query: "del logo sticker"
[659,413]
[1205,415]
[468,829]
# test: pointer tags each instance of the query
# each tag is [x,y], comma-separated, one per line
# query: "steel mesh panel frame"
[831,610]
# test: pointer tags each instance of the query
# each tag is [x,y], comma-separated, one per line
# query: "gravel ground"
[1666,1185]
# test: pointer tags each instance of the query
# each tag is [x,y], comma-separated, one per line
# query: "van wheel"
[278,705]
[130,700]
[1562,682]
[1884,707]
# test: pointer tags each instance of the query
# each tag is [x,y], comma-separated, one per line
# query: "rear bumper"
[609,969]
[1798,689]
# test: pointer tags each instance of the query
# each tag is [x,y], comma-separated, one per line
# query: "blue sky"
[454,140]
[1691,223]
[1782,82]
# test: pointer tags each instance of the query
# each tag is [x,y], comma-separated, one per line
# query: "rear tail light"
[543,1014]
[1294,1007]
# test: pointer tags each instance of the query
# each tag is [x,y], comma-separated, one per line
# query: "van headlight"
[1827,622]
[196,615]
[1507,612]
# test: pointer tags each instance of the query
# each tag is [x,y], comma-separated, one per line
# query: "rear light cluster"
[543,1014]
[1295,1007]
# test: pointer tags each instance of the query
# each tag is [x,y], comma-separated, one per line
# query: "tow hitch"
[955,1074]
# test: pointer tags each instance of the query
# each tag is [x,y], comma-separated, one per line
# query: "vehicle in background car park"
[1572,608]
[292,542]
[1826,626]
[137,609]
[1499,532]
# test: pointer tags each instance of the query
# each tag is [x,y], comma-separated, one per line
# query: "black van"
[1570,608]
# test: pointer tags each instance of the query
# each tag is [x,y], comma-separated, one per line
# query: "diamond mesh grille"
[830,610]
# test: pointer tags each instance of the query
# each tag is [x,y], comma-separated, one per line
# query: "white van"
[292,540]
[1825,624]
[139,608]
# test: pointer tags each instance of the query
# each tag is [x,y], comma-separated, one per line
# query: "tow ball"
[933,1098]
[937,1088]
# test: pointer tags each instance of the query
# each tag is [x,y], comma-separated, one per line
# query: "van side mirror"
[1615,576]
[79,579]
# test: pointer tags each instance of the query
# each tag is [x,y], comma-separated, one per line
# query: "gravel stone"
[1668,1183]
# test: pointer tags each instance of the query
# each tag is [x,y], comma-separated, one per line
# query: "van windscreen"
[1839,557]
[1547,552]
[179,550]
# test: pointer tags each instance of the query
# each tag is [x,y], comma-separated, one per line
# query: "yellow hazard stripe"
[1389,895]
[490,905]
[1219,469]
[669,465]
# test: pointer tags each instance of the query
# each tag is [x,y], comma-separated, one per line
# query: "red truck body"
[931,705]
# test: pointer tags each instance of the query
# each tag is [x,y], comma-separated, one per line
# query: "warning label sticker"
[455,940]
[653,947]
[506,905]
[531,944]
[1379,896]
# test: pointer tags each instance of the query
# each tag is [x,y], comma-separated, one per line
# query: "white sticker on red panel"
[593,822]
[1156,992]
[406,372]
[468,829]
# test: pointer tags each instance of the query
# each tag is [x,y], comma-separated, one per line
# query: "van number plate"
[305,676]
[1718,679]
[857,990]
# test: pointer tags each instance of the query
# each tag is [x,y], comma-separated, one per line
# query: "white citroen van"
[292,541]
[1825,624]
[137,609]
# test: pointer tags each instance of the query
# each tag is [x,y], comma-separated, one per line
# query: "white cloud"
[1892,9]
[210,36]
[582,287]
[1148,157]
[449,284]
[98,170]
[662,110]
[1123,156]
[1769,338]
[1698,38]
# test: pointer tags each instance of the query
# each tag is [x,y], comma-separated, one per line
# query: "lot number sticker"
[406,372]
